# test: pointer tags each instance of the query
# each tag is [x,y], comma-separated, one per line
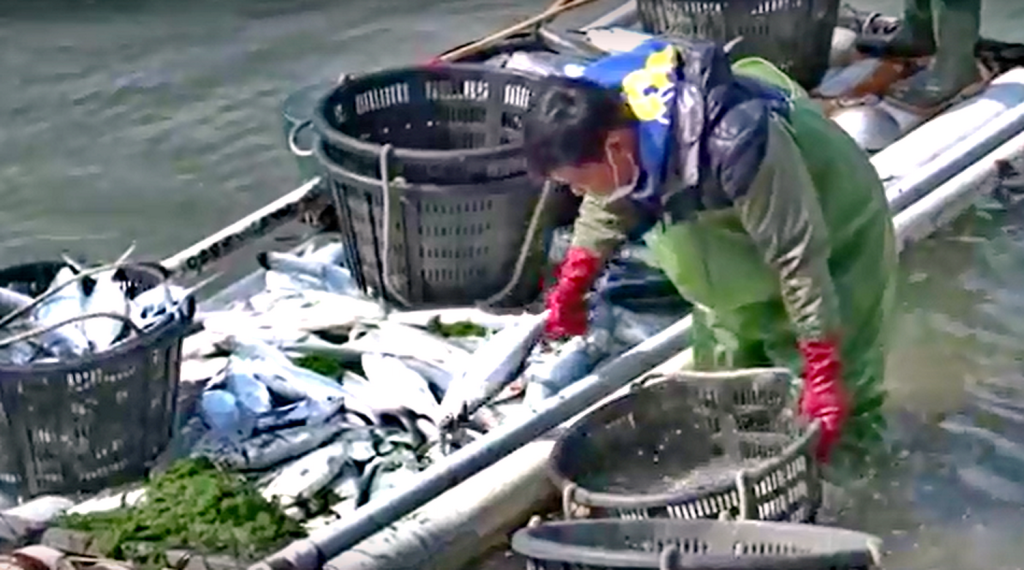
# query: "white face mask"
[630,185]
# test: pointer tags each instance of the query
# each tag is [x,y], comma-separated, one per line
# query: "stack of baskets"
[653,465]
[434,200]
[795,35]
[84,424]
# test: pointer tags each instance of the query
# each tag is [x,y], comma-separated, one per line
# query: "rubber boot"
[914,37]
[954,67]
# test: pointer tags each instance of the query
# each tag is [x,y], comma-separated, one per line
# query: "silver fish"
[331,277]
[299,315]
[423,318]
[305,412]
[384,474]
[153,305]
[249,391]
[399,386]
[400,340]
[439,378]
[571,362]
[63,305]
[106,297]
[11,301]
[346,484]
[270,377]
[491,367]
[468,343]
[221,411]
[362,443]
[307,475]
[276,364]
[268,449]
[288,292]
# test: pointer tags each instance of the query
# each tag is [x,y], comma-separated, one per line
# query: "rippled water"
[159,122]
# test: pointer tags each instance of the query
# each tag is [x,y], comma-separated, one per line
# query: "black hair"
[569,122]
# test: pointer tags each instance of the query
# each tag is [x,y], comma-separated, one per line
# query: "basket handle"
[524,249]
[293,143]
[45,329]
[385,189]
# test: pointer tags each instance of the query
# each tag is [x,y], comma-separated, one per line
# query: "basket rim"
[604,499]
[526,542]
[327,131]
[173,324]
[495,186]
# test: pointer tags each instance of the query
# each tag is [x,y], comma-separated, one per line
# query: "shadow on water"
[951,494]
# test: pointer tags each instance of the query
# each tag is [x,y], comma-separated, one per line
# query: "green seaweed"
[456,329]
[323,365]
[193,506]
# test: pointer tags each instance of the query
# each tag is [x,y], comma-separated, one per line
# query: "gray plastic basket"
[459,197]
[703,544]
[84,424]
[795,35]
[693,446]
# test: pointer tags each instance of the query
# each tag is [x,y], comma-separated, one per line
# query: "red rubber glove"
[567,301]
[824,396]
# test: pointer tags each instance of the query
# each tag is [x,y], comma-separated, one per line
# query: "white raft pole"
[462,506]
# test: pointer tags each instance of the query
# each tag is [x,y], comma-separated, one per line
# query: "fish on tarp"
[491,367]
[468,343]
[304,412]
[286,374]
[331,277]
[268,449]
[387,473]
[438,377]
[288,292]
[346,484]
[225,416]
[552,373]
[452,316]
[397,385]
[399,340]
[250,392]
[307,475]
[327,313]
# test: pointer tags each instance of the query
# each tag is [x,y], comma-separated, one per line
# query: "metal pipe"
[250,228]
[964,153]
[947,201]
[326,543]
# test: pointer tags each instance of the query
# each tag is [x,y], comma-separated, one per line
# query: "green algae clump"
[193,506]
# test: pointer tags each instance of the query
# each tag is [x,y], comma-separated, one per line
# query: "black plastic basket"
[795,35]
[81,425]
[460,196]
[695,544]
[693,446]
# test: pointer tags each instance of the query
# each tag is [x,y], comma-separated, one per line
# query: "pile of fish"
[319,391]
[83,310]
